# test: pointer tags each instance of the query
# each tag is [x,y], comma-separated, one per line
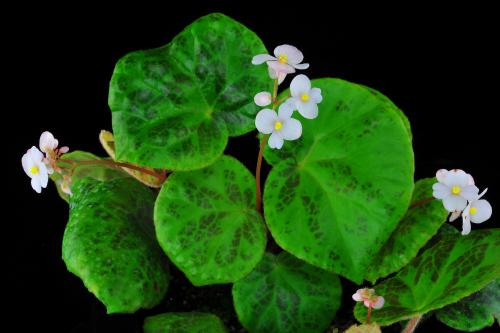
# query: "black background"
[438,65]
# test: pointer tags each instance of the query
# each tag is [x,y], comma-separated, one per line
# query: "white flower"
[454,187]
[263,98]
[281,126]
[477,211]
[35,168]
[47,142]
[369,299]
[305,98]
[286,59]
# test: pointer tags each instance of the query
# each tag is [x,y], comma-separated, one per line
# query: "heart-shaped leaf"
[109,243]
[189,322]
[453,268]
[175,106]
[207,224]
[335,195]
[284,294]
[418,226]
[474,312]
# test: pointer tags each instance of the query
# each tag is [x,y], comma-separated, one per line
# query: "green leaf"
[189,322]
[390,105]
[109,243]
[474,312]
[207,224]
[335,195]
[175,106]
[412,233]
[99,172]
[284,294]
[454,267]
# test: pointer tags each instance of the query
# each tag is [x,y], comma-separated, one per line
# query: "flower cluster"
[38,166]
[460,195]
[303,98]
[369,298]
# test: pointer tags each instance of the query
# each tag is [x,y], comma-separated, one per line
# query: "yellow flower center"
[473,210]
[282,58]
[456,190]
[278,125]
[34,170]
[304,97]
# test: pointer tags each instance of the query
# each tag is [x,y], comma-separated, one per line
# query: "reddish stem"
[369,315]
[421,202]
[258,198]
[113,164]
[412,324]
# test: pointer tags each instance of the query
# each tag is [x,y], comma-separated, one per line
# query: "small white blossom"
[477,211]
[369,299]
[286,59]
[48,144]
[304,98]
[280,125]
[263,98]
[454,188]
[35,168]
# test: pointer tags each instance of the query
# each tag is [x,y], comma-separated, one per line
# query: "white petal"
[300,85]
[275,141]
[465,226]
[471,180]
[469,192]
[301,66]
[272,74]
[261,58]
[263,98]
[35,154]
[64,150]
[483,211]
[43,175]
[286,109]
[454,215]
[315,95]
[27,163]
[294,56]
[440,191]
[379,303]
[441,174]
[482,193]
[456,177]
[47,142]
[357,297]
[265,121]
[278,67]
[281,77]
[291,130]
[35,183]
[454,202]
[308,110]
